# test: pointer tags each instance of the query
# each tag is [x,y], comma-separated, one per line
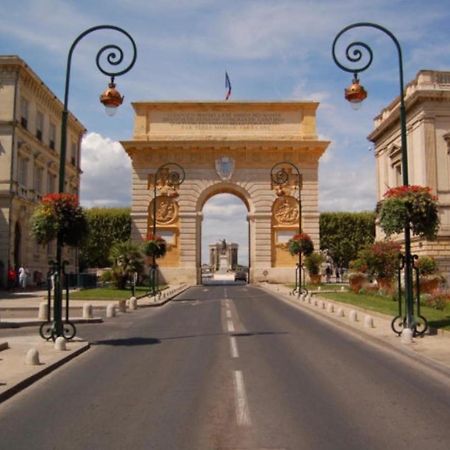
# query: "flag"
[227,86]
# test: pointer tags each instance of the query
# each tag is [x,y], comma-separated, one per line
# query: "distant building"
[223,256]
[427,102]
[30,128]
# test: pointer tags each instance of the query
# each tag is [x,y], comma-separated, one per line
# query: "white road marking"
[242,410]
[233,347]
[228,314]
[230,326]
[226,293]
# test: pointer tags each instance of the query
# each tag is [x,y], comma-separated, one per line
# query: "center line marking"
[230,326]
[233,347]
[242,410]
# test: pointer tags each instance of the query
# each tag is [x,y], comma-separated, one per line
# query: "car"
[240,276]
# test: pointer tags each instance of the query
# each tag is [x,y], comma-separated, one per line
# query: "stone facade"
[225,147]
[223,256]
[30,125]
[427,102]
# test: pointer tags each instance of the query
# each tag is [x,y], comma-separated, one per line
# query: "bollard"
[316,302]
[342,288]
[133,303]
[324,305]
[122,306]
[303,297]
[353,316]
[407,336]
[340,312]
[330,308]
[43,311]
[111,310]
[60,344]
[32,357]
[87,311]
[308,298]
[368,322]
[319,288]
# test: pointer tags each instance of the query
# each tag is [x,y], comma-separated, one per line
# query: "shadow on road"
[131,342]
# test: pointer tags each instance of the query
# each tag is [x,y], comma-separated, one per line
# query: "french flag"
[227,86]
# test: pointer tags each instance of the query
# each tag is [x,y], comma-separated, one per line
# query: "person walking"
[23,275]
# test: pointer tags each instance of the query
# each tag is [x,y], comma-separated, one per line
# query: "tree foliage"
[107,226]
[126,259]
[345,233]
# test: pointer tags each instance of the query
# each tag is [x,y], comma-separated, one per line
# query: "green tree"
[107,226]
[345,233]
[126,258]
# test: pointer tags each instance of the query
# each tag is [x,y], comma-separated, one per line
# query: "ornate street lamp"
[280,177]
[111,99]
[356,94]
[167,179]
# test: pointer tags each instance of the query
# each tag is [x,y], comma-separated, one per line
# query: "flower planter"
[300,243]
[315,278]
[414,205]
[357,281]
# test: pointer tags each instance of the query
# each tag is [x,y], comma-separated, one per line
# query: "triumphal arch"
[225,147]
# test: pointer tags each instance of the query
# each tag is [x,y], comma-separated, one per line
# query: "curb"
[50,368]
[36,322]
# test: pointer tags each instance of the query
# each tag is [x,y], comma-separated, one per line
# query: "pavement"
[433,349]
[20,309]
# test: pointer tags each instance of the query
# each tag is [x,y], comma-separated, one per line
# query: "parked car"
[240,276]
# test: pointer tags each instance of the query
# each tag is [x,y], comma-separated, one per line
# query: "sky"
[271,49]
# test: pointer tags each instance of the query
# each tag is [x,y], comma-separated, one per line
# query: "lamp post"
[111,99]
[280,176]
[356,94]
[167,179]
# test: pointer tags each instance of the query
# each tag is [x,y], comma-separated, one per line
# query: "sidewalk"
[15,373]
[432,350]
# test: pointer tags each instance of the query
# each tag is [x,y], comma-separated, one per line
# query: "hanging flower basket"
[154,246]
[300,243]
[410,204]
[59,215]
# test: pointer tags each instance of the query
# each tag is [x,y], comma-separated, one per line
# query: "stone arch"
[225,188]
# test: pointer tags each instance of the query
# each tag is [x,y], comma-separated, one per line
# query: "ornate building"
[226,147]
[427,102]
[30,123]
[223,256]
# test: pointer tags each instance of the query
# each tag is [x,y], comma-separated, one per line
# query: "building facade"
[226,147]
[427,101]
[30,132]
[223,256]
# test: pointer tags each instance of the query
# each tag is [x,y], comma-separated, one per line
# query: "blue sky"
[272,50]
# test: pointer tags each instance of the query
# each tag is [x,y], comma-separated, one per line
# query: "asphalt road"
[229,367]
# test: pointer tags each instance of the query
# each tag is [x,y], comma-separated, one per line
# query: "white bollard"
[303,297]
[122,306]
[342,288]
[32,357]
[87,311]
[330,308]
[309,297]
[407,336]
[353,316]
[43,311]
[60,344]
[368,322]
[319,288]
[316,303]
[133,303]
[111,310]
[324,305]
[340,312]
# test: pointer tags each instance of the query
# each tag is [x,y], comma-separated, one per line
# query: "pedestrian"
[338,274]
[11,278]
[23,275]
[328,272]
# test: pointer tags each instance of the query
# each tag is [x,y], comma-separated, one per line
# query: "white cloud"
[106,178]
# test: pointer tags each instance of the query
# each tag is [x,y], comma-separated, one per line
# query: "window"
[39,125]
[38,177]
[398,175]
[51,183]
[22,171]
[52,136]
[73,154]
[24,112]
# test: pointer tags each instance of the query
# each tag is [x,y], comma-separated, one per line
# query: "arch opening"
[225,239]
